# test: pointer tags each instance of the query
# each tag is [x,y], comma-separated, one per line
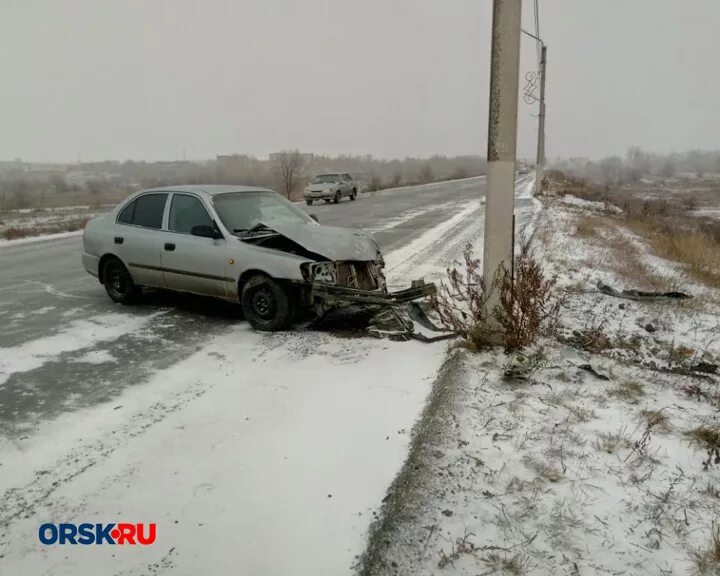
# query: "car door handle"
[119,239]
[169,247]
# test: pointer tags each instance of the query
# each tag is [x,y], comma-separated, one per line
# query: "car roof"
[209,189]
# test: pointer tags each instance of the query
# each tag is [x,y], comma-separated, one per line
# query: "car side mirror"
[206,232]
[314,217]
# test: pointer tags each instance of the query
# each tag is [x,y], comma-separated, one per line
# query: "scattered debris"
[639,294]
[593,371]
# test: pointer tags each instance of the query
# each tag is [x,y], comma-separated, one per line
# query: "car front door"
[137,237]
[194,263]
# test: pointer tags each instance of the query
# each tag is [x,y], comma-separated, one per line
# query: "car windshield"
[326,178]
[242,211]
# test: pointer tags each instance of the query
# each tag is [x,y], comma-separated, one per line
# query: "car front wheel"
[308,201]
[265,304]
[337,197]
[118,283]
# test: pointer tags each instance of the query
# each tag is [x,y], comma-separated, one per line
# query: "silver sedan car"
[242,244]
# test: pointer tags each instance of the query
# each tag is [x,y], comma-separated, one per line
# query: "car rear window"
[146,211]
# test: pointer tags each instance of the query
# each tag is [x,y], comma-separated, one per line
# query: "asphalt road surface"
[44,291]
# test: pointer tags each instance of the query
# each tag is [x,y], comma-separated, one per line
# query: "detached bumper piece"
[338,295]
[399,316]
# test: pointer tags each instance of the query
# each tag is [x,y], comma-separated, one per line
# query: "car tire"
[118,283]
[265,304]
[353,195]
[327,200]
[336,199]
[308,202]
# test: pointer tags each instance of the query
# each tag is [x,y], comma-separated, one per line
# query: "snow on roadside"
[587,465]
[571,200]
[39,238]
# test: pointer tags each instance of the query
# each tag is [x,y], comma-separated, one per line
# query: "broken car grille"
[356,275]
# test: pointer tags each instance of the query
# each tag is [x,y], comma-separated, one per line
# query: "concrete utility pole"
[502,141]
[540,161]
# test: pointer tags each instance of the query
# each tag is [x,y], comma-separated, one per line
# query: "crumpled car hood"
[339,244]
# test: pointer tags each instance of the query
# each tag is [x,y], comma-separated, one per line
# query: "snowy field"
[257,454]
[590,463]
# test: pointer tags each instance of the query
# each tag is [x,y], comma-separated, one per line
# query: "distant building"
[307,157]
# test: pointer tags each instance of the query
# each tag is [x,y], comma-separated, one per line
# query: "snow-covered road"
[253,453]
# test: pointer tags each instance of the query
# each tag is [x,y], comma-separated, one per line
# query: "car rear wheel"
[265,304]
[337,197]
[118,283]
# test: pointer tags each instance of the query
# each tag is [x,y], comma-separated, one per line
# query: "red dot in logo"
[115,533]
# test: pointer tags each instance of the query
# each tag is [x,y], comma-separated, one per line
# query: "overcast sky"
[149,79]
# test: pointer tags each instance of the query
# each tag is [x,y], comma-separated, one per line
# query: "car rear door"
[347,184]
[193,263]
[137,237]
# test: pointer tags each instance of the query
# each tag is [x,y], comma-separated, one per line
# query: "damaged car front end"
[344,267]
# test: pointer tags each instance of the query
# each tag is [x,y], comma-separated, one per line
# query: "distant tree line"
[637,164]
[287,172]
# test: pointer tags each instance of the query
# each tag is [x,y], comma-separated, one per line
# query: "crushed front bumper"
[333,295]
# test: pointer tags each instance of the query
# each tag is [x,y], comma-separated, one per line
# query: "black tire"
[336,199]
[353,195]
[265,304]
[327,201]
[118,283]
[308,201]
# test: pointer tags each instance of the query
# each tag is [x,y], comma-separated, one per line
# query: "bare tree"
[58,184]
[289,166]
[426,174]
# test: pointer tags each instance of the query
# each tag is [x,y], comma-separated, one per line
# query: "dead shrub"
[630,391]
[461,303]
[707,561]
[708,439]
[15,233]
[525,307]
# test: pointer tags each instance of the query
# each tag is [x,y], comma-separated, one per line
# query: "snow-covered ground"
[588,465]
[29,224]
[257,454]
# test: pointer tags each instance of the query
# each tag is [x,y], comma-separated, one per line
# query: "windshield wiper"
[259,227]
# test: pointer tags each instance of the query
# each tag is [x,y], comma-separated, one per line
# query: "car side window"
[186,212]
[146,211]
[348,178]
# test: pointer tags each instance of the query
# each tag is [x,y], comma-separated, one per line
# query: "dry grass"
[26,232]
[656,420]
[612,442]
[503,564]
[588,226]
[666,223]
[707,562]
[607,233]
[630,391]
[673,239]
[708,439]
